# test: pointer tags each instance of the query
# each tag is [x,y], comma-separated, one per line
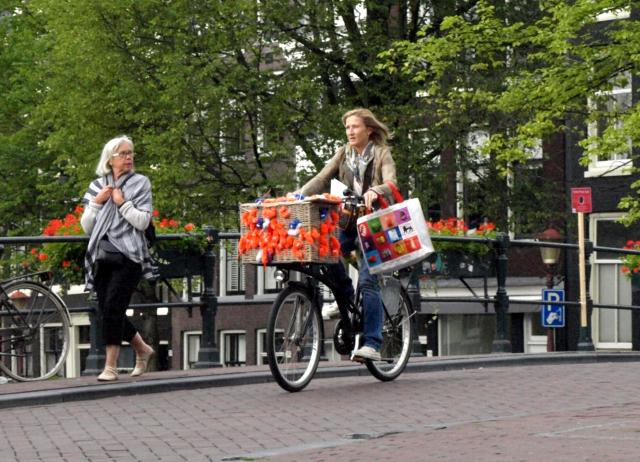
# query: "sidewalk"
[551,407]
[15,394]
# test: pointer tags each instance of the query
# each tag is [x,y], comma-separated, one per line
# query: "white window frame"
[618,166]
[225,256]
[72,365]
[533,343]
[595,290]
[223,334]
[261,351]
[266,280]
[185,346]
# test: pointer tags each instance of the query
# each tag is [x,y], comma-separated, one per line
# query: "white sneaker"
[366,352]
[330,311]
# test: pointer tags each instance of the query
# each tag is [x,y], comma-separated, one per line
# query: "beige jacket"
[384,169]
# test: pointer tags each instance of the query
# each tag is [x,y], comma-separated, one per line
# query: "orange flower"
[188,227]
[42,256]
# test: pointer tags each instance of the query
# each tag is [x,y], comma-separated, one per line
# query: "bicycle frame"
[319,272]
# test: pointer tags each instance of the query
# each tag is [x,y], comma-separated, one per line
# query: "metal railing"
[208,355]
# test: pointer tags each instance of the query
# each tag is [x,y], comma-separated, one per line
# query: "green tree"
[217,94]
[529,71]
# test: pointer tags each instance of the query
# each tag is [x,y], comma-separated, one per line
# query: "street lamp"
[550,257]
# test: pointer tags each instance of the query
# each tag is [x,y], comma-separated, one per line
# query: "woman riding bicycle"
[364,165]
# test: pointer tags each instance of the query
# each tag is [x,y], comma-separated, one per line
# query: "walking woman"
[118,209]
[364,164]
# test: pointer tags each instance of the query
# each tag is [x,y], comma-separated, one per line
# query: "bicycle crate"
[309,213]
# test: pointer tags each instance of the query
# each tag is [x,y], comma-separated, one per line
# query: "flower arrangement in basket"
[289,230]
[457,227]
[631,263]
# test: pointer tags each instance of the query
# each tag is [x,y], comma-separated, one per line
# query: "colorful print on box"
[388,236]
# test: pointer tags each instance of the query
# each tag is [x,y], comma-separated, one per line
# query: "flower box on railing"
[455,263]
[179,261]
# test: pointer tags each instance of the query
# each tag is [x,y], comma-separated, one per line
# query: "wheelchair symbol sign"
[552,313]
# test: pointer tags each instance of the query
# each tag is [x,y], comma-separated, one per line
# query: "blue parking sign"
[552,313]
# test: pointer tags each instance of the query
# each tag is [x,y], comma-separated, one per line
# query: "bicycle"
[34,329]
[295,330]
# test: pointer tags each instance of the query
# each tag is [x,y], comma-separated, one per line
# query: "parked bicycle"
[295,331]
[34,329]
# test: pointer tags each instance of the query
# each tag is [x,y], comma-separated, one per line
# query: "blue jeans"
[368,284]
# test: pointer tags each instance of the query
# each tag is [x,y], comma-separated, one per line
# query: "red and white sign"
[581,200]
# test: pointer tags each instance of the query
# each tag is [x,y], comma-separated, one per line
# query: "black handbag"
[108,253]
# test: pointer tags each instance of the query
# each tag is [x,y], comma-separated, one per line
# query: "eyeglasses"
[124,154]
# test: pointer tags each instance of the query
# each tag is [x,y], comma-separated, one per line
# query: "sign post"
[581,204]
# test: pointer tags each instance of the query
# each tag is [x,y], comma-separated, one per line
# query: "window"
[612,328]
[261,350]
[83,346]
[233,350]
[52,345]
[232,279]
[190,348]
[609,106]
[267,283]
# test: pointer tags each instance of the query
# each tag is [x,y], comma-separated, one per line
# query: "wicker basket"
[308,213]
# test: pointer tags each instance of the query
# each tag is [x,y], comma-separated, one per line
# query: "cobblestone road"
[577,412]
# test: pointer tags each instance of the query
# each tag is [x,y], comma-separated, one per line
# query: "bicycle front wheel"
[294,338]
[34,331]
[396,332]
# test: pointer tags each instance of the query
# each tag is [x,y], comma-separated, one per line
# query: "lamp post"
[550,257]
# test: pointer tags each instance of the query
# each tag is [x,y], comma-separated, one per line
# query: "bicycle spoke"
[34,331]
[294,356]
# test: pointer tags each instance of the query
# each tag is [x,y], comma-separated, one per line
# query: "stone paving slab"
[586,411]
[86,388]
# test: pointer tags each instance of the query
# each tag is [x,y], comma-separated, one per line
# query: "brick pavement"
[519,413]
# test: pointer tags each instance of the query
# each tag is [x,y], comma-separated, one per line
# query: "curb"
[98,391]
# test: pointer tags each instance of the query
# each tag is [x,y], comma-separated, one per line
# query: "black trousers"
[114,286]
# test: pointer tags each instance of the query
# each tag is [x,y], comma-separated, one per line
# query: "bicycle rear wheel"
[396,332]
[294,338]
[34,331]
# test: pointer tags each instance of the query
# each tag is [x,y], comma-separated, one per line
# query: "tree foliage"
[219,96]
[524,72]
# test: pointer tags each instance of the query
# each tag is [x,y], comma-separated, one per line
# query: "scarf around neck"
[358,164]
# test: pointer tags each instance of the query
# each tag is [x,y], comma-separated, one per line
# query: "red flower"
[42,256]
[155,213]
[66,263]
[188,227]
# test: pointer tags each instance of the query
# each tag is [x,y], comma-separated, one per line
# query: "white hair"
[104,164]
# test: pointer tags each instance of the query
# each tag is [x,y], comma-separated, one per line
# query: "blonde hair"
[381,132]
[109,149]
